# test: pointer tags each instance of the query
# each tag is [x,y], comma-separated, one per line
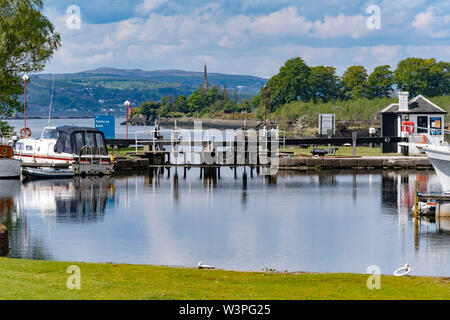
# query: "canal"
[328,221]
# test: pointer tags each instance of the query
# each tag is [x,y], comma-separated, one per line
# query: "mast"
[51,102]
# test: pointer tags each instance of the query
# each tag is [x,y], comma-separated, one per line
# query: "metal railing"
[208,135]
[430,136]
[199,142]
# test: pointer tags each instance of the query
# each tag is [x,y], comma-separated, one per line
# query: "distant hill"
[105,89]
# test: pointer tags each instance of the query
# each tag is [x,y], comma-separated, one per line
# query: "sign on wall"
[327,124]
[436,126]
[107,125]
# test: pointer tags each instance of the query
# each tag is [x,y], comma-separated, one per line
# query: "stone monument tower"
[205,79]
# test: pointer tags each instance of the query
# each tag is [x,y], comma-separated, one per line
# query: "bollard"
[416,199]
[4,242]
[354,137]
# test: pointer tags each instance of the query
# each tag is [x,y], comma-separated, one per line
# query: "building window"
[422,124]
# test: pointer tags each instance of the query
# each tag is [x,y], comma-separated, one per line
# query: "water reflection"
[326,221]
[75,200]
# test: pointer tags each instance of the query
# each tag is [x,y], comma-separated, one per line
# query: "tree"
[195,102]
[150,109]
[27,42]
[413,75]
[380,82]
[181,104]
[244,106]
[290,84]
[439,79]
[354,82]
[324,83]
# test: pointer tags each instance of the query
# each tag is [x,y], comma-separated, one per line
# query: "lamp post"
[25,79]
[127,104]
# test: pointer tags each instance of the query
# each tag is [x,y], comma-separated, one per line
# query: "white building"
[419,115]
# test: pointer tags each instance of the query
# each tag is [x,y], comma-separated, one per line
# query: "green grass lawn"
[342,152]
[24,279]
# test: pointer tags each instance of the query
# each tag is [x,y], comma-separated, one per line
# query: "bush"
[176,114]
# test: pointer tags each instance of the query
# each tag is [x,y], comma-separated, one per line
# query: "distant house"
[420,112]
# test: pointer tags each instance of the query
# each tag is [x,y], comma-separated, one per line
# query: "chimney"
[403,97]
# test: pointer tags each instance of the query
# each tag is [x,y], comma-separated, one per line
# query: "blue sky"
[253,37]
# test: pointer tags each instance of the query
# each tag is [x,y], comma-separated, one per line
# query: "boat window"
[29,148]
[19,146]
[63,144]
[79,141]
[90,139]
[101,144]
[50,134]
[67,144]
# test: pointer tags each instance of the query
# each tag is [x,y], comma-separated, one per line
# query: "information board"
[107,125]
[327,124]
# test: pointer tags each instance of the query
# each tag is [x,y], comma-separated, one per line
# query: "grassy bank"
[342,152]
[358,109]
[23,279]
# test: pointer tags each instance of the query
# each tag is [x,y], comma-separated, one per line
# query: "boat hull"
[47,173]
[440,159]
[9,168]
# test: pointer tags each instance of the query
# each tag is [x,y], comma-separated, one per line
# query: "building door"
[389,128]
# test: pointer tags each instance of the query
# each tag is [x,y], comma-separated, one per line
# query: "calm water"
[321,222]
[37,125]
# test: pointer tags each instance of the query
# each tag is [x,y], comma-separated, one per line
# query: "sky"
[248,37]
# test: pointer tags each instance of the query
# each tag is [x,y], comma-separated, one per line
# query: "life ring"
[406,270]
[25,132]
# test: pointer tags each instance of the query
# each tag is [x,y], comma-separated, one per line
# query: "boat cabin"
[6,152]
[66,139]
[77,140]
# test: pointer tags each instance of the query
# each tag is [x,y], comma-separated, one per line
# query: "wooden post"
[4,242]
[416,199]
[354,137]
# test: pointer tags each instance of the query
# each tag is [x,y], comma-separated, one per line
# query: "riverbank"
[303,162]
[25,279]
[207,123]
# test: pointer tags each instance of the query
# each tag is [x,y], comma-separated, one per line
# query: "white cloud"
[341,26]
[430,23]
[148,6]
[241,44]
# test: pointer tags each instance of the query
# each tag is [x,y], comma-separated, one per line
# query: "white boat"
[439,156]
[81,150]
[9,167]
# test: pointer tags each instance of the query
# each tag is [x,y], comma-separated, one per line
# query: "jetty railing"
[212,146]
[422,135]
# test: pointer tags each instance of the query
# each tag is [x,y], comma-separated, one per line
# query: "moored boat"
[439,156]
[82,150]
[9,167]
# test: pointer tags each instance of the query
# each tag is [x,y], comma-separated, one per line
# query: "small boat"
[9,167]
[47,173]
[64,151]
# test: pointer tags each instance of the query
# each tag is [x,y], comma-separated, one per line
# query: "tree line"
[201,101]
[27,42]
[296,81]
